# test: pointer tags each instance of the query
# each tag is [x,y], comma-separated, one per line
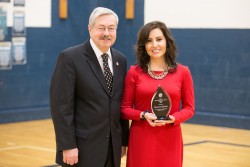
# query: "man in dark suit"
[85,112]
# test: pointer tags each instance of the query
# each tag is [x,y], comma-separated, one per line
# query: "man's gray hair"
[101,11]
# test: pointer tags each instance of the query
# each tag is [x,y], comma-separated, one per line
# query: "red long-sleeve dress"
[156,146]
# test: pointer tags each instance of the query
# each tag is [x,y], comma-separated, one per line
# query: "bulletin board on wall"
[12,52]
[16,16]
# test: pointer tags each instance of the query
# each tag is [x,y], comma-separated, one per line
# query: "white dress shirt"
[99,53]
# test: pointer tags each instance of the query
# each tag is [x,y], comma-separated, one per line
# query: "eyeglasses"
[103,29]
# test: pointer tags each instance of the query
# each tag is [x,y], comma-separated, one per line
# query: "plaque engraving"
[161,104]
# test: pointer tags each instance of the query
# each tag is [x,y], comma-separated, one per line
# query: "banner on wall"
[19,50]
[5,56]
[18,29]
[3,24]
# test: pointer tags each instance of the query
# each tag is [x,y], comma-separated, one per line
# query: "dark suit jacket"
[84,114]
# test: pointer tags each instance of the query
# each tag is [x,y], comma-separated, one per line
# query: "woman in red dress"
[153,142]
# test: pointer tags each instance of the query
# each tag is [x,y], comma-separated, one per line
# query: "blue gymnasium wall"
[218,59]
[24,90]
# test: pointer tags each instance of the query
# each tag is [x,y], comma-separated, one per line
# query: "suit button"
[107,136]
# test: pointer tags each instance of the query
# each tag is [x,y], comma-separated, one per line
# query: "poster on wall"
[19,50]
[19,2]
[5,56]
[18,29]
[3,24]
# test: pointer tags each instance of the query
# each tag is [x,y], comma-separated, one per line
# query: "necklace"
[158,77]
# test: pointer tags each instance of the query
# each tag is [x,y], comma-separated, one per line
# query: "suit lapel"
[95,66]
[115,71]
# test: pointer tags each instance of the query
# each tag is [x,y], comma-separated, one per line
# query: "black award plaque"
[161,104]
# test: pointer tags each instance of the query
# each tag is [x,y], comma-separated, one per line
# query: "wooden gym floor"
[32,144]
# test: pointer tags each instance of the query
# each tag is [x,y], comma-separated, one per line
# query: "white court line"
[29,147]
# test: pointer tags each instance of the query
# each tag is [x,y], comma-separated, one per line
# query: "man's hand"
[70,156]
[124,150]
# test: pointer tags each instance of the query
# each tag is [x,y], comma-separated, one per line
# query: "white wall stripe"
[220,14]
[37,12]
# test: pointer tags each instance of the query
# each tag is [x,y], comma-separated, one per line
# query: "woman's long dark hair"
[141,55]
